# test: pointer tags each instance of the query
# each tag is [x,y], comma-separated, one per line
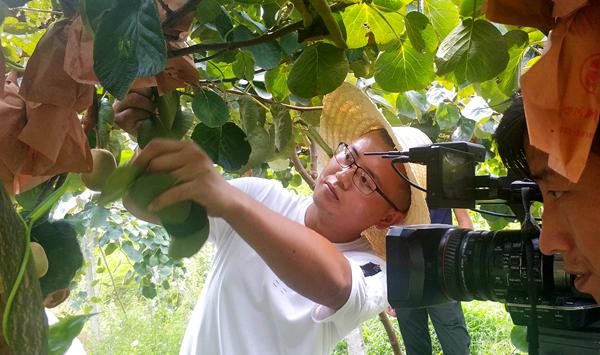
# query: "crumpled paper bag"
[561,92]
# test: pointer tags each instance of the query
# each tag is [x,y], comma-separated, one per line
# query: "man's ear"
[392,218]
[57,297]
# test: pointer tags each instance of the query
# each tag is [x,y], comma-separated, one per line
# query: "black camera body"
[433,264]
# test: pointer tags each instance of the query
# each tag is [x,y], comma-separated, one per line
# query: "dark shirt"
[441,215]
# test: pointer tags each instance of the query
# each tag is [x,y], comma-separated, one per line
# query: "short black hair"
[510,138]
[59,240]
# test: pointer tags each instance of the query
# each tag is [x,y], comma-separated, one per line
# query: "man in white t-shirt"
[276,286]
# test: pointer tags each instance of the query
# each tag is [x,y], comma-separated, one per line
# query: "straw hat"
[348,114]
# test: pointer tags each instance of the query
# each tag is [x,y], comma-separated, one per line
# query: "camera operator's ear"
[392,218]
[57,297]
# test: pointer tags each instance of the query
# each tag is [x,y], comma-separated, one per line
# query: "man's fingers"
[135,100]
[173,195]
[130,120]
[168,162]
[191,172]
[156,148]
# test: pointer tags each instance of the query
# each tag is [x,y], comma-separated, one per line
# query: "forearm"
[463,218]
[306,261]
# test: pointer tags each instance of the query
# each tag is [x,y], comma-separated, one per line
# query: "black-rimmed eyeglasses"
[361,178]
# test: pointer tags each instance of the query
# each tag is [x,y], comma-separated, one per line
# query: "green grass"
[157,326]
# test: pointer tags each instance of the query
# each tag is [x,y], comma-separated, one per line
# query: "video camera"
[434,264]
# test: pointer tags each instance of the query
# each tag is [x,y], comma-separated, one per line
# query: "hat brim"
[348,114]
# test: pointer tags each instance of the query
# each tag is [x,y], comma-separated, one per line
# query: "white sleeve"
[368,296]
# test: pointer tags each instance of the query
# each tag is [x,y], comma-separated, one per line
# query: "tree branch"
[202,47]
[269,101]
[314,159]
[390,332]
[300,169]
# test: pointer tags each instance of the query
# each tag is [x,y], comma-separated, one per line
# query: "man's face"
[337,196]
[571,219]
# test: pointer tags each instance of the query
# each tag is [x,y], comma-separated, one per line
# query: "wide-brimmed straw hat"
[348,114]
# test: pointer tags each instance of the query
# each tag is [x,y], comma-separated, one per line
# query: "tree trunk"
[28,324]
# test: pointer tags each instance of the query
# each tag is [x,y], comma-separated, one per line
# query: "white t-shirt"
[245,308]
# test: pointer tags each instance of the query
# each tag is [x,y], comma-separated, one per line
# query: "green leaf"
[474,51]
[128,44]
[464,131]
[391,5]
[518,338]
[402,68]
[151,128]
[210,108]
[262,147]
[276,82]
[319,70]
[118,182]
[362,19]
[518,44]
[251,114]
[282,124]
[188,245]
[496,223]
[406,109]
[266,55]
[447,116]
[208,11]
[226,145]
[168,105]
[61,334]
[243,67]
[184,120]
[420,32]
[470,8]
[93,10]
[443,15]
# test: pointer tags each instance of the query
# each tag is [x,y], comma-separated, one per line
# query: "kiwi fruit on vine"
[104,164]
[40,260]
[149,186]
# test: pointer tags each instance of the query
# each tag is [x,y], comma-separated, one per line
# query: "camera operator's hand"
[135,108]
[198,179]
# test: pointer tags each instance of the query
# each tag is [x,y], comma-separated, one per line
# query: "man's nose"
[554,238]
[344,177]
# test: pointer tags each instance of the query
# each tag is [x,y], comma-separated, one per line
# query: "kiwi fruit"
[104,164]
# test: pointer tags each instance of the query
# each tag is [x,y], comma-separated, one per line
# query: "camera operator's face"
[338,197]
[571,218]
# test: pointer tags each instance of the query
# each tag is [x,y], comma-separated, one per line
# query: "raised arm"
[463,218]
[306,261]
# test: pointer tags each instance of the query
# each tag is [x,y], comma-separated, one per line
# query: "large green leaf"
[207,11]
[447,116]
[391,5]
[443,15]
[282,122]
[420,32]
[362,19]
[470,8]
[128,44]
[262,147]
[319,70]
[474,51]
[210,108]
[276,82]
[267,55]
[517,42]
[251,114]
[118,182]
[243,67]
[402,68]
[61,334]
[226,145]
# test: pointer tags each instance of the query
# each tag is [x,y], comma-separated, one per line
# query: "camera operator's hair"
[61,246]
[510,137]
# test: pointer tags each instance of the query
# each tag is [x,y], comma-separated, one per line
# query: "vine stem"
[33,217]
[269,101]
[18,280]
[112,280]
[302,171]
[38,10]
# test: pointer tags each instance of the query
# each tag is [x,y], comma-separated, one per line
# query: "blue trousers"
[448,321]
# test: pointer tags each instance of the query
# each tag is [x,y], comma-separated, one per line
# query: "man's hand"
[198,179]
[135,108]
